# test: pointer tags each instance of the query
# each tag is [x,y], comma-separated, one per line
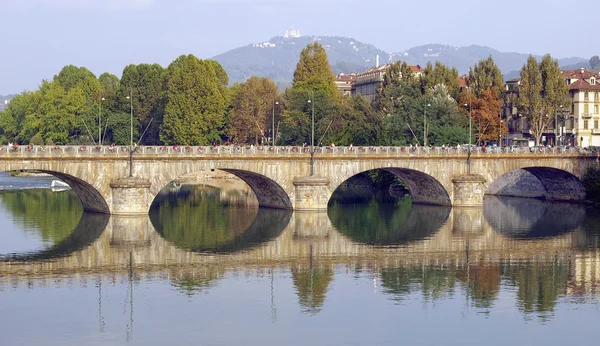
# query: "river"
[207,267]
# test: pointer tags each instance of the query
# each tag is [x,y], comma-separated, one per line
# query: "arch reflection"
[531,218]
[387,223]
[58,217]
[195,218]
[89,228]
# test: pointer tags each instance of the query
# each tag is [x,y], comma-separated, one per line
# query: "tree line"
[190,103]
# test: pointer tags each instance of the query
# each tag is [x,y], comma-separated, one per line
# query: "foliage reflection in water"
[202,219]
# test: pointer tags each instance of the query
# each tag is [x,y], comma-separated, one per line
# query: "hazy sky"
[39,37]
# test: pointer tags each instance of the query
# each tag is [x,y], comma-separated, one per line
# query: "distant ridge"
[277,57]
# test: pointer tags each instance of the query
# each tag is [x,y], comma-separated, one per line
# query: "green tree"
[313,72]
[595,63]
[543,91]
[146,83]
[439,74]
[529,102]
[251,119]
[486,75]
[196,102]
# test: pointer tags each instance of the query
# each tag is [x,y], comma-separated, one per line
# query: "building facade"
[368,82]
[582,122]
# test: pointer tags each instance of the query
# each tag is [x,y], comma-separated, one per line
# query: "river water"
[205,268]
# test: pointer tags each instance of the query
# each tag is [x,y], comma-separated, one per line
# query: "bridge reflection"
[432,250]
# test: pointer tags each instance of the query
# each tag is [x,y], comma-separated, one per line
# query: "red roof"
[582,84]
[586,74]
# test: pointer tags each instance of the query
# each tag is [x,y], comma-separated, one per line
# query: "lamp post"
[273,121]
[130,97]
[100,121]
[425,126]
[312,137]
[500,136]
[469,146]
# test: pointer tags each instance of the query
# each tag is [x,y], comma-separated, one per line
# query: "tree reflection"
[195,218]
[482,283]
[311,286]
[53,214]
[540,285]
[432,282]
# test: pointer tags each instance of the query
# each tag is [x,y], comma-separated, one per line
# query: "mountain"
[464,57]
[277,57]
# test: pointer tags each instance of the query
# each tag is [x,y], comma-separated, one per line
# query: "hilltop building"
[292,33]
[4,105]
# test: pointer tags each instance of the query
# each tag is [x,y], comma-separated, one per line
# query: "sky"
[39,37]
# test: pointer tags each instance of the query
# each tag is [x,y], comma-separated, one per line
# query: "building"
[368,82]
[292,33]
[344,82]
[582,120]
[4,105]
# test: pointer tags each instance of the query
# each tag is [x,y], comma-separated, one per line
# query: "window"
[586,96]
[593,81]
[595,124]
[585,124]
[596,96]
[595,109]
[586,109]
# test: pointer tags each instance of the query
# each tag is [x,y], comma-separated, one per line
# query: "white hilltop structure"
[292,33]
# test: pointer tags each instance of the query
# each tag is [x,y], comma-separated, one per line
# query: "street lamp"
[312,138]
[273,121]
[425,125]
[130,97]
[469,146]
[100,121]
[500,136]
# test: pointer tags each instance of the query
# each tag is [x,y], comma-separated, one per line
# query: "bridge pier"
[130,196]
[468,190]
[312,193]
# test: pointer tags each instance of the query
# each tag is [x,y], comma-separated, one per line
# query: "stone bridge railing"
[83,150]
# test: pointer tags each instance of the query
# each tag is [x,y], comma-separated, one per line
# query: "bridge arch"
[423,188]
[91,198]
[538,182]
[269,193]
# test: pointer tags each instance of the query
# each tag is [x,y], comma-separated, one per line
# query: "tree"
[595,63]
[486,75]
[487,108]
[529,102]
[196,101]
[313,72]
[251,119]
[543,91]
[146,82]
[439,74]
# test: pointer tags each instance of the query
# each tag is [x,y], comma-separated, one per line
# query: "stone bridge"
[115,180]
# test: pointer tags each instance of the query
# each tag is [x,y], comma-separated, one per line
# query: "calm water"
[204,269]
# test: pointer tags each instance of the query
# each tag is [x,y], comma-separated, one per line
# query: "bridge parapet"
[84,150]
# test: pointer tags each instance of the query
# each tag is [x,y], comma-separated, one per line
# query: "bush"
[49,142]
[591,182]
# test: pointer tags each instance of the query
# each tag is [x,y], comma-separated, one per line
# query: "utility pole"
[100,120]
[273,121]
[130,97]
[312,136]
